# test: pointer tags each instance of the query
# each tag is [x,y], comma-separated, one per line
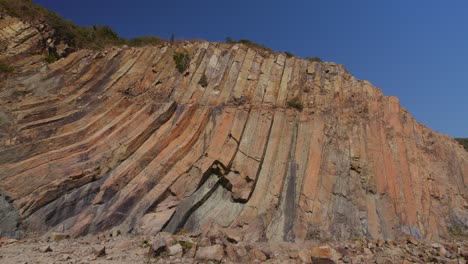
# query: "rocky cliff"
[273,147]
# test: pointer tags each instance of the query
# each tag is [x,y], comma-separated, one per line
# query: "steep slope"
[274,147]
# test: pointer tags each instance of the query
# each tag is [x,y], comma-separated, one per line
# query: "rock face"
[275,148]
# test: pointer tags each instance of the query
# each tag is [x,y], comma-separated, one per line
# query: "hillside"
[200,136]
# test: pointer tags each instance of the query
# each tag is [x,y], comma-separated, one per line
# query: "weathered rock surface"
[119,138]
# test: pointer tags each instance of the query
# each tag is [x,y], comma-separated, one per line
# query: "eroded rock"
[272,149]
[215,252]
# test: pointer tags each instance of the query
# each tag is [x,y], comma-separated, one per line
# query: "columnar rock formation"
[119,138]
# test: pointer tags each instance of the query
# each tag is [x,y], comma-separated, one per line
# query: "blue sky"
[416,50]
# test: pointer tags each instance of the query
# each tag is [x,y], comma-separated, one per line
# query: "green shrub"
[463,142]
[186,245]
[248,43]
[182,60]
[203,81]
[295,103]
[5,68]
[230,40]
[254,45]
[317,59]
[51,57]
[145,41]
[289,54]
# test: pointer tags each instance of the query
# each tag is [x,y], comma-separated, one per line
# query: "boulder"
[257,254]
[233,235]
[45,249]
[305,256]
[115,233]
[231,253]
[99,251]
[324,252]
[215,252]
[175,250]
[161,242]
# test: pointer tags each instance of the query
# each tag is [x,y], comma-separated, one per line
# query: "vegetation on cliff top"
[256,46]
[94,37]
[463,142]
[248,43]
[145,40]
[311,59]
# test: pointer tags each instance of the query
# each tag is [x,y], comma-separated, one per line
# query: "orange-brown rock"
[119,138]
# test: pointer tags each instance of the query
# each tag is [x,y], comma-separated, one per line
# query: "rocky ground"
[222,248]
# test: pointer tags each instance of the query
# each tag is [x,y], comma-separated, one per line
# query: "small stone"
[304,256]
[346,259]
[116,233]
[233,236]
[161,242]
[464,252]
[215,252]
[412,240]
[241,251]
[435,245]
[99,251]
[123,245]
[59,236]
[442,251]
[175,250]
[231,253]
[325,252]
[191,252]
[293,255]
[380,242]
[368,251]
[204,242]
[258,254]
[45,249]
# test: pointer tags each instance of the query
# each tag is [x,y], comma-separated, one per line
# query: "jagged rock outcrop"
[120,138]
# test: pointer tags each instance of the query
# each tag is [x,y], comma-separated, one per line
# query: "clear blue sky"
[416,50]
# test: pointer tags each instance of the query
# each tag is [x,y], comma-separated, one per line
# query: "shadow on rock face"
[9,219]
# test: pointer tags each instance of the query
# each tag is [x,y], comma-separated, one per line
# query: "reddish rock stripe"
[119,138]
